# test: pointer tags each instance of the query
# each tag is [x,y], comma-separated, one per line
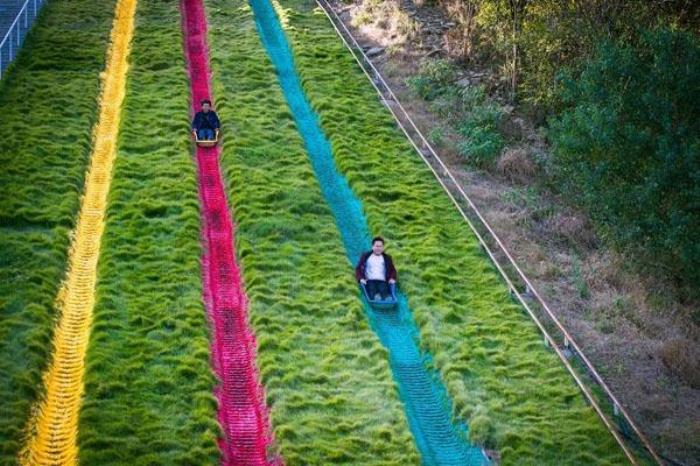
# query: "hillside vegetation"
[148,383]
[48,103]
[513,393]
[326,376]
[616,85]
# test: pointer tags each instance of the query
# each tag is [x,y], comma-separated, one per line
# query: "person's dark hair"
[377,238]
[205,101]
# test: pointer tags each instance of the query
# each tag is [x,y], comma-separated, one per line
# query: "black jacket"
[207,120]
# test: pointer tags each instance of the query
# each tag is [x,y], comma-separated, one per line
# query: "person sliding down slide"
[205,125]
[376,271]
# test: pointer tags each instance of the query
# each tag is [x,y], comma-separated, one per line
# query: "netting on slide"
[242,411]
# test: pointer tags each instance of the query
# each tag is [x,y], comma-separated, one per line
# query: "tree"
[627,146]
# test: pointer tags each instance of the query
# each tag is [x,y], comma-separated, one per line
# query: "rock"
[374,51]
[464,82]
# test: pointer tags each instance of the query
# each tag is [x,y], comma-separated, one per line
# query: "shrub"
[627,147]
[468,109]
[434,78]
[479,126]
[517,166]
[436,136]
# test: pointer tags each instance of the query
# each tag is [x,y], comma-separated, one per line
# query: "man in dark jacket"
[376,270]
[206,123]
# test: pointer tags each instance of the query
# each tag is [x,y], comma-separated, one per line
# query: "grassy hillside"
[327,380]
[148,384]
[513,392]
[48,105]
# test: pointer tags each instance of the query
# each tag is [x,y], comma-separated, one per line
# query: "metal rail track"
[14,36]
[456,194]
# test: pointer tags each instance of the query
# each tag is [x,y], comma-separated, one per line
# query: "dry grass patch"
[682,358]
[516,165]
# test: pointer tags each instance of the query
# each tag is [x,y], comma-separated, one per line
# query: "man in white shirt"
[376,270]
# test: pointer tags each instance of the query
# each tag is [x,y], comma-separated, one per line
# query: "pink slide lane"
[242,411]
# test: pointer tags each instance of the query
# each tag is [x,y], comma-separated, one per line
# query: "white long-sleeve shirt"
[375,270]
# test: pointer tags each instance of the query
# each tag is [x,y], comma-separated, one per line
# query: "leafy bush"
[434,78]
[528,41]
[436,136]
[628,147]
[468,109]
[148,382]
[478,124]
[48,106]
[480,145]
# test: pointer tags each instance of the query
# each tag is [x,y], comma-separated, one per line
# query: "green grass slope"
[48,103]
[326,375]
[148,384]
[515,394]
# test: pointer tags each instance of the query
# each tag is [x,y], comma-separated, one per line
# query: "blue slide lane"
[427,405]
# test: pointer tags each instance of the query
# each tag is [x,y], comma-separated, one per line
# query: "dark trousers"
[377,286]
[205,134]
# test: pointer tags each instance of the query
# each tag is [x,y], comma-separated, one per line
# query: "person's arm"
[360,269]
[216,122]
[391,275]
[196,122]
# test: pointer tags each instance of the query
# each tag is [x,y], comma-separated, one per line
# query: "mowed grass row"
[48,103]
[326,376]
[148,384]
[513,392]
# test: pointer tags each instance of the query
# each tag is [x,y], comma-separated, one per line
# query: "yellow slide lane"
[53,428]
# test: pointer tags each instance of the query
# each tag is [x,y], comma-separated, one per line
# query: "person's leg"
[383,288]
[205,134]
[372,288]
[378,287]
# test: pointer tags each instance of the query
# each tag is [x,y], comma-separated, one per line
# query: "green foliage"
[326,375]
[528,41]
[628,147]
[436,136]
[148,384]
[434,78]
[489,354]
[48,107]
[468,109]
[478,125]
[557,34]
